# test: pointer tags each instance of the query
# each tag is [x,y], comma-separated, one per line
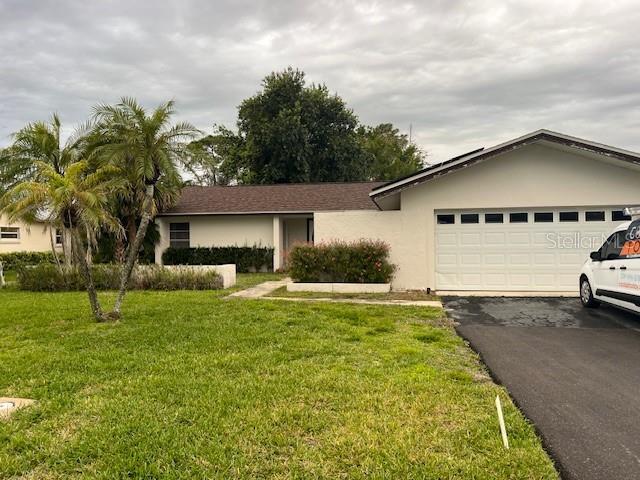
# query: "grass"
[408,295]
[246,280]
[193,385]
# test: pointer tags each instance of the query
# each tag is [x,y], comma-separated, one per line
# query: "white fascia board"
[444,166]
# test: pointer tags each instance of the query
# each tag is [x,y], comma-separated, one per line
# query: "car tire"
[586,294]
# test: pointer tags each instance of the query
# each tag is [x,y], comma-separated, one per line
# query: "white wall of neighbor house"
[31,237]
[533,176]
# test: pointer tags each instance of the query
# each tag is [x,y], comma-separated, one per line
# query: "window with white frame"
[179,236]
[10,233]
[58,236]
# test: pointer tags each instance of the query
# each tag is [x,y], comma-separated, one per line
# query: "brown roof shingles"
[292,197]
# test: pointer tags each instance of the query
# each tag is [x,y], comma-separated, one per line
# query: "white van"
[612,273]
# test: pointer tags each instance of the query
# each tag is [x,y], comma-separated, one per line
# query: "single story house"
[23,237]
[519,216]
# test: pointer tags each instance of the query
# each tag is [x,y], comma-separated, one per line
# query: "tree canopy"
[291,132]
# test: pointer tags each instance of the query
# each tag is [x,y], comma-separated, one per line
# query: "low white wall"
[389,226]
[227,271]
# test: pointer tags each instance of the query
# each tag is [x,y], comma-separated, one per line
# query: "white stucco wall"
[33,238]
[219,230]
[279,231]
[388,226]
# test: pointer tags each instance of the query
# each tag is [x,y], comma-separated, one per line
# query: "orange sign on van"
[631,248]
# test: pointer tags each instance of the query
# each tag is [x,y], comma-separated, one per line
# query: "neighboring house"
[519,216]
[22,237]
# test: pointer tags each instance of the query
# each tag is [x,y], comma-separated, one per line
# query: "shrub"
[246,259]
[48,278]
[14,260]
[364,261]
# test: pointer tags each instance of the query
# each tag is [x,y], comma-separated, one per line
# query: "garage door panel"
[546,280]
[472,279]
[545,259]
[492,239]
[494,259]
[543,256]
[470,239]
[447,239]
[474,260]
[519,239]
[519,260]
[495,279]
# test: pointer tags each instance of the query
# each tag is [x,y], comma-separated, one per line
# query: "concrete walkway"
[262,289]
[408,303]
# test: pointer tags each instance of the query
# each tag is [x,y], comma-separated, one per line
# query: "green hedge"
[13,260]
[246,259]
[364,261]
[49,278]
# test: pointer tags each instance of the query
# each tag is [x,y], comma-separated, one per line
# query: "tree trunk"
[53,246]
[67,246]
[89,255]
[134,248]
[120,251]
[85,270]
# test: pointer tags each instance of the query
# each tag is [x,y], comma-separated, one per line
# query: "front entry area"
[528,249]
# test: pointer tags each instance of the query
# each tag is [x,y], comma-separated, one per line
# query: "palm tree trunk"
[53,246]
[67,248]
[134,248]
[85,270]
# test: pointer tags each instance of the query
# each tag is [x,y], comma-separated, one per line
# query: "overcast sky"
[464,74]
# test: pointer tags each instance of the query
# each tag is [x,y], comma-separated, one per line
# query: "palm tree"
[149,148]
[78,198]
[40,142]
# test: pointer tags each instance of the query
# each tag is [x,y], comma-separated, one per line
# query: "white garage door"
[535,249]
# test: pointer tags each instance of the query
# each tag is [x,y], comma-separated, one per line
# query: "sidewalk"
[264,289]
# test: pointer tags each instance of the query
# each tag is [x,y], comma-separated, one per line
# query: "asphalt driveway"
[574,372]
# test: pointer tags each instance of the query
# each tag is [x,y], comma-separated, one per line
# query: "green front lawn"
[193,385]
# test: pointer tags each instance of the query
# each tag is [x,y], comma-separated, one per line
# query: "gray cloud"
[463,73]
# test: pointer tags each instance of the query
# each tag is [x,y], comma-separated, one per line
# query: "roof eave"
[532,137]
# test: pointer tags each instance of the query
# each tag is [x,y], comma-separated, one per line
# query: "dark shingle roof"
[293,197]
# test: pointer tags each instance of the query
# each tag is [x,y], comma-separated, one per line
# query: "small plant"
[48,278]
[364,261]
[246,259]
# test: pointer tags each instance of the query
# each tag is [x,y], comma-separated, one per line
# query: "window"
[612,247]
[446,219]
[179,235]
[543,217]
[518,217]
[58,236]
[568,216]
[9,233]
[594,216]
[310,233]
[493,218]
[469,218]
[619,216]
